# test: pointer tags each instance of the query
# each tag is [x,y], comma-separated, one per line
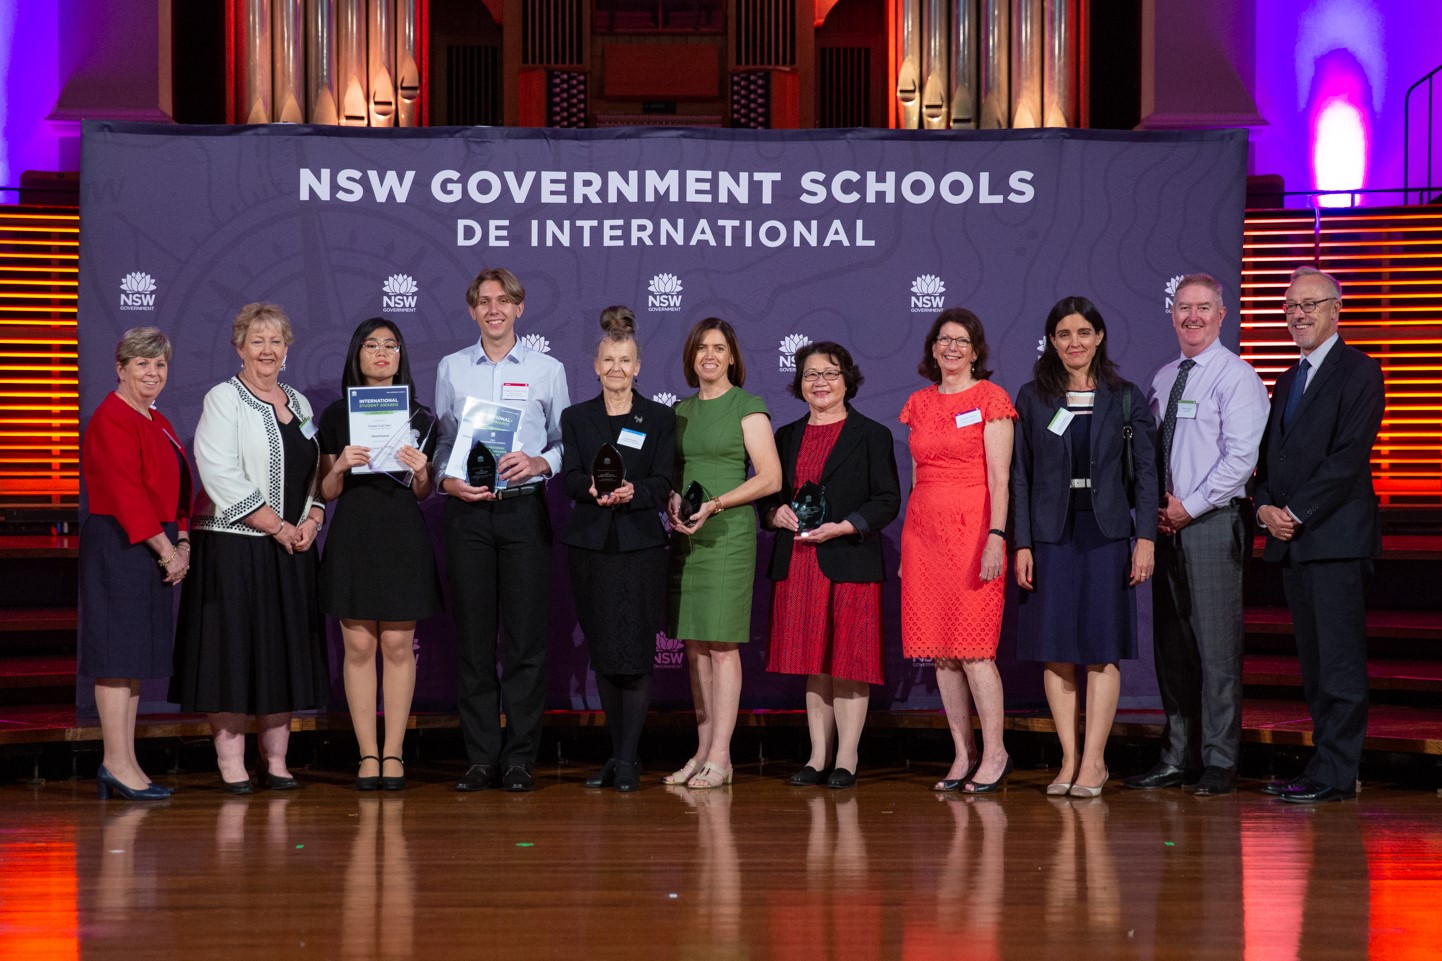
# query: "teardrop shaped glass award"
[691,501]
[481,466]
[608,470]
[809,504]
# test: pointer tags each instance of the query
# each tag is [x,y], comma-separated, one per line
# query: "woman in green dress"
[713,552]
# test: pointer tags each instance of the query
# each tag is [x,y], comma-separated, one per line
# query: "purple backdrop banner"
[858,236]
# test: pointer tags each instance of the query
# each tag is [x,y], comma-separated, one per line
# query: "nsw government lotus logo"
[665,397]
[1171,292]
[790,344]
[670,653]
[400,294]
[137,291]
[665,293]
[537,343]
[927,294]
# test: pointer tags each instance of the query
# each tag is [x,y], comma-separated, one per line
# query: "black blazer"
[1041,469]
[585,428]
[1320,469]
[861,485]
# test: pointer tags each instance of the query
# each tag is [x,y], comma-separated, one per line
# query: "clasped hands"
[515,468]
[784,518]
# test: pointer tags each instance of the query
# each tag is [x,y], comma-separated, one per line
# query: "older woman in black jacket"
[1076,560]
[826,607]
[614,539]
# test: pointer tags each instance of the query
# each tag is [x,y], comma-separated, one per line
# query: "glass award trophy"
[691,501]
[481,466]
[809,505]
[608,471]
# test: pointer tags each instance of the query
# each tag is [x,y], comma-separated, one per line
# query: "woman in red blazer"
[134,548]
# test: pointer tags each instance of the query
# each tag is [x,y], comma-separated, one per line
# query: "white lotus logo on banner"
[665,397]
[400,292]
[537,343]
[665,293]
[137,291]
[927,294]
[1171,290]
[790,344]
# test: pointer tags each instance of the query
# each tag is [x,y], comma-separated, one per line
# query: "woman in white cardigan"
[251,637]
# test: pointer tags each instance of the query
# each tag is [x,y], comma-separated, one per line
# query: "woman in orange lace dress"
[953,545]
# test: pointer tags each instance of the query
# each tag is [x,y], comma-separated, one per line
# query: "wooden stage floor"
[760,870]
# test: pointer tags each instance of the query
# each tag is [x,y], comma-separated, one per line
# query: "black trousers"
[499,556]
[1329,618]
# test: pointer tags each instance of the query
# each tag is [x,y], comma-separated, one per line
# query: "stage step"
[38,672]
[32,619]
[1384,674]
[1409,625]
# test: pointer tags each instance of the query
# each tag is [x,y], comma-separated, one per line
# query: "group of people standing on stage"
[1095,484]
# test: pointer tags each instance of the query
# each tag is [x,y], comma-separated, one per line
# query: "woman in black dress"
[134,548]
[379,573]
[615,542]
[251,638]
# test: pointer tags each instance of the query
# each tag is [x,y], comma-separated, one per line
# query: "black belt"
[525,490]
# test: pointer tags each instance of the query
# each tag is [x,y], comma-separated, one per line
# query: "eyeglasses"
[945,341]
[375,347]
[812,376]
[1306,306]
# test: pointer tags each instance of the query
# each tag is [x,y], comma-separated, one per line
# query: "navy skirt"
[1082,611]
[126,609]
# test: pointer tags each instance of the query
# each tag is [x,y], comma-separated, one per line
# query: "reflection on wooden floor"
[760,870]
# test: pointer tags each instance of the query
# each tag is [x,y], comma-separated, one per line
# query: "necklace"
[267,395]
[142,411]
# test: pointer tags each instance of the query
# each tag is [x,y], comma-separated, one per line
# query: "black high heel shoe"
[604,777]
[628,776]
[372,783]
[237,787]
[974,787]
[277,783]
[107,784]
[393,783]
[955,783]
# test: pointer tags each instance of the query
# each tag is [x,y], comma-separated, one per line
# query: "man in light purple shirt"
[1211,409]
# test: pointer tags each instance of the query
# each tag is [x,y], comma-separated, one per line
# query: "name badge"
[968,417]
[515,391]
[308,429]
[1060,421]
[631,438]
[1186,410]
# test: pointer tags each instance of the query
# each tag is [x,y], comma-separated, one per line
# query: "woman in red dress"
[953,545]
[826,607]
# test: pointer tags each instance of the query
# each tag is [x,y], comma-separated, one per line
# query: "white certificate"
[380,418]
[487,423]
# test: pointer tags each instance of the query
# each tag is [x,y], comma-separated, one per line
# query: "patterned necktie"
[1294,396]
[1169,421]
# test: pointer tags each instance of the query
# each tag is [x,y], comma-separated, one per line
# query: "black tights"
[625,699]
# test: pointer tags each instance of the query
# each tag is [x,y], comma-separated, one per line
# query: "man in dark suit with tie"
[1315,499]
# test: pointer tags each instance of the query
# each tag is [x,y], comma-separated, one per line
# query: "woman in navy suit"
[826,606]
[615,542]
[1075,559]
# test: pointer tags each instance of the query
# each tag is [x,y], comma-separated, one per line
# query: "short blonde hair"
[260,312]
[508,281]
[142,342]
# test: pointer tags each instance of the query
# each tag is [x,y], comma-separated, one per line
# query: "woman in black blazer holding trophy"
[619,449]
[839,489]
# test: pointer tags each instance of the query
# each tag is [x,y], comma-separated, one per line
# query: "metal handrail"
[1407,136]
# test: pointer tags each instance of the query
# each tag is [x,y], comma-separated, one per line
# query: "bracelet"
[280,528]
[311,518]
[165,561]
[1001,534]
[719,507]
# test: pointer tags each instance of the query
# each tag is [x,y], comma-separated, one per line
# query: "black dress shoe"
[955,783]
[372,783]
[478,777]
[1308,791]
[1280,786]
[628,776]
[1161,775]
[237,787]
[604,777]
[277,783]
[841,778]
[991,787]
[1215,781]
[394,783]
[518,778]
[806,777]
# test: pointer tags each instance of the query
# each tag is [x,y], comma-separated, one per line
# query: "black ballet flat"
[807,777]
[276,783]
[237,787]
[372,783]
[841,778]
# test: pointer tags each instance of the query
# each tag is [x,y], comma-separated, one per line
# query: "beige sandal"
[683,775]
[710,776]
